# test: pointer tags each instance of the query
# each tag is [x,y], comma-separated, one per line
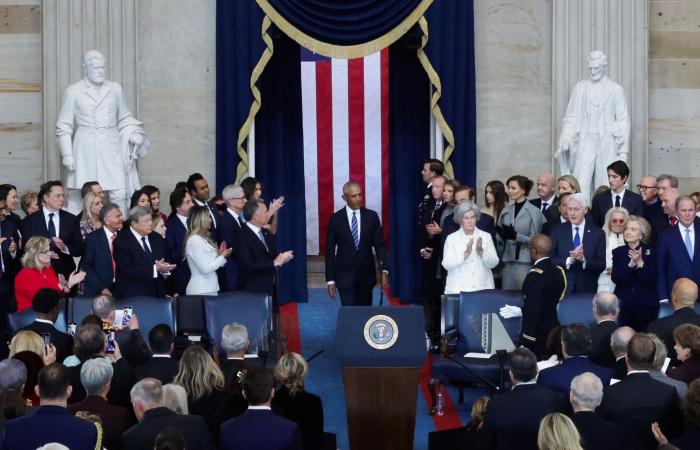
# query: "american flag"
[345,109]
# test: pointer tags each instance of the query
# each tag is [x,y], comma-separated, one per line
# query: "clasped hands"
[433,228]
[577,253]
[635,258]
[283,258]
[506,232]
[73,279]
[164,267]
[224,250]
[470,246]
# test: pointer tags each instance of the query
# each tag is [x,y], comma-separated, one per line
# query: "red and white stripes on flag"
[345,108]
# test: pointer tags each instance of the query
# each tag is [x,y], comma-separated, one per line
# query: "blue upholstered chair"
[21,319]
[666,309]
[576,308]
[78,308]
[251,310]
[189,312]
[151,311]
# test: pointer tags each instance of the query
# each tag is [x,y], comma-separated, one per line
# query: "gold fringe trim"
[434,107]
[242,168]
[344,51]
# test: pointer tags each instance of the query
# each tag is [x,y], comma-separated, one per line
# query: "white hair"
[580,199]
[92,55]
[148,391]
[234,338]
[606,303]
[175,398]
[232,191]
[587,390]
[103,305]
[95,374]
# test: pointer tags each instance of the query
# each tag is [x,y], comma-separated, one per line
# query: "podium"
[381,351]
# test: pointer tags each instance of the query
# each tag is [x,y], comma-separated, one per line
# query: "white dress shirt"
[349,212]
[682,229]
[615,194]
[211,213]
[148,244]
[581,228]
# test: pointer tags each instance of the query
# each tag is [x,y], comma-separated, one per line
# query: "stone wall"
[21,160]
[674,90]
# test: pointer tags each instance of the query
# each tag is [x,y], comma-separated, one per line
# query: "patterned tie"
[146,249]
[262,239]
[688,243]
[673,220]
[355,231]
[617,201]
[52,226]
[577,238]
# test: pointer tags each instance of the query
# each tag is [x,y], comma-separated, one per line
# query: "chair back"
[19,320]
[472,308]
[189,311]
[78,308]
[576,308]
[151,311]
[246,308]
[666,309]
[449,318]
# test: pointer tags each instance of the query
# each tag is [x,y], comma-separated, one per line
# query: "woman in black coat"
[294,403]
[634,275]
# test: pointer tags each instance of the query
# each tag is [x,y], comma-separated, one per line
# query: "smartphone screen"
[72,328]
[126,318]
[110,342]
[47,339]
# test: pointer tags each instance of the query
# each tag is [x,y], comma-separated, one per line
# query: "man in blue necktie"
[353,232]
[579,247]
[677,255]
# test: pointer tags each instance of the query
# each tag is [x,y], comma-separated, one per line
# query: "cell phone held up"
[47,340]
[110,347]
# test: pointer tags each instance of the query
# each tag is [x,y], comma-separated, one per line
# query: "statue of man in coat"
[596,127]
[98,137]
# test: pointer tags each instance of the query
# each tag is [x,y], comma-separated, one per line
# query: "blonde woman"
[614,227]
[30,341]
[90,218]
[204,383]
[294,403]
[568,184]
[558,432]
[37,273]
[203,257]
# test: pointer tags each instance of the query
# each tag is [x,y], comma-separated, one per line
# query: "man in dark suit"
[175,232]
[606,308]
[543,289]
[256,251]
[90,344]
[430,251]
[352,234]
[653,211]
[683,298]
[547,200]
[153,417]
[678,249]
[638,401]
[140,255]
[198,188]
[618,345]
[9,267]
[503,428]
[62,227]
[575,343]
[617,196]
[485,223]
[96,377]
[161,365]
[45,304]
[578,246]
[98,260]
[431,168]
[596,433]
[234,341]
[131,342]
[258,427]
[51,422]
[229,227]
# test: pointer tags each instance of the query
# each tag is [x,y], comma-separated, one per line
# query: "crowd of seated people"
[94,396]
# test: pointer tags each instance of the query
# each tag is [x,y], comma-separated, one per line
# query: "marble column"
[618,28]
[70,28]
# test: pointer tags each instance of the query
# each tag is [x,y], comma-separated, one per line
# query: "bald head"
[540,246]
[606,306]
[684,293]
[545,185]
[647,189]
[619,340]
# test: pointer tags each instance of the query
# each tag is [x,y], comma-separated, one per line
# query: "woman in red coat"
[37,273]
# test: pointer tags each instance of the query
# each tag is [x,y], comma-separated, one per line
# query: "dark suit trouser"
[432,290]
[5,298]
[359,294]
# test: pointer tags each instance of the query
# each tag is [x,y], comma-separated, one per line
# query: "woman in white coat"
[202,255]
[469,253]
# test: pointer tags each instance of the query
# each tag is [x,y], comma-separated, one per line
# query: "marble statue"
[596,127]
[98,137]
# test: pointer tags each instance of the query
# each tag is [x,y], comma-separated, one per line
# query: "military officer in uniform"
[543,288]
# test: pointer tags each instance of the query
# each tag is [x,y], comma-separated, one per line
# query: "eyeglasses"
[641,187]
[617,221]
[46,252]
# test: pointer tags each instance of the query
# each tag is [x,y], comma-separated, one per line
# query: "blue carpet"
[317,324]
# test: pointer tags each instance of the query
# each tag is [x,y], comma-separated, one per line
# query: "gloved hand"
[508,312]
[507,232]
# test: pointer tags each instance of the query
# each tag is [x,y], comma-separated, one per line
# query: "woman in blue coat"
[634,275]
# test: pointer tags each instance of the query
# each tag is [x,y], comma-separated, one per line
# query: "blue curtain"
[279,160]
[409,146]
[451,51]
[238,48]
[344,22]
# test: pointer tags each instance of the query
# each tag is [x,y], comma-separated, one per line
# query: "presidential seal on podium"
[381,332]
